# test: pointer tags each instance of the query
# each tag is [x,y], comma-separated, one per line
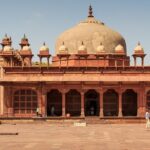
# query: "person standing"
[147,116]
[37,111]
[53,111]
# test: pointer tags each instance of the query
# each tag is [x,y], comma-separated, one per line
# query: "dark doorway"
[148,100]
[110,104]
[54,103]
[91,103]
[129,103]
[73,103]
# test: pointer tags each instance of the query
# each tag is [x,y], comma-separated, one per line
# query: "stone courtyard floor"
[46,136]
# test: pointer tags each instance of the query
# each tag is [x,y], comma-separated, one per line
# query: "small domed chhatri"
[139,49]
[92,32]
[6,41]
[119,49]
[82,47]
[63,49]
[44,47]
[100,49]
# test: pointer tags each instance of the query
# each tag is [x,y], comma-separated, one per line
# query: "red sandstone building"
[90,75]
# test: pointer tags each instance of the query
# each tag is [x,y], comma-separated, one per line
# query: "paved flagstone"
[46,136]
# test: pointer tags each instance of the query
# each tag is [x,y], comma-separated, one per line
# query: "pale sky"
[44,20]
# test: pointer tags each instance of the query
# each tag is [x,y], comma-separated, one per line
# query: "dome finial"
[5,35]
[139,43]
[44,43]
[24,36]
[90,11]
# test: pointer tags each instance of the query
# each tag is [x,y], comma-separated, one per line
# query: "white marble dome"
[91,32]
[82,47]
[63,48]
[44,47]
[7,48]
[100,48]
[26,48]
[119,49]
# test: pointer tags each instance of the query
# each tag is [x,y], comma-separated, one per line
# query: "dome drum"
[25,52]
[82,52]
[63,52]
[139,52]
[46,52]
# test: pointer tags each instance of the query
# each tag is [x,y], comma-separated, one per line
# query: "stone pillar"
[1,100]
[47,60]
[9,99]
[63,103]
[42,100]
[39,94]
[5,103]
[144,96]
[40,61]
[43,104]
[120,104]
[142,63]
[101,113]
[82,104]
[11,62]
[123,63]
[115,62]
[135,61]
[140,102]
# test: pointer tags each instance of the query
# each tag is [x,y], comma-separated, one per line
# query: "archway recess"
[148,100]
[110,103]
[54,103]
[129,103]
[92,103]
[73,103]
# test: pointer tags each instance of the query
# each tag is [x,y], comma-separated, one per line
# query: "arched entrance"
[129,103]
[110,103]
[91,103]
[54,103]
[148,100]
[25,102]
[73,103]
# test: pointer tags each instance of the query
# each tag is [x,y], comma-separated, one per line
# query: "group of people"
[147,117]
[52,111]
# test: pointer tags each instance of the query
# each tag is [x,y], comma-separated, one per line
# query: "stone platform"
[47,136]
[88,120]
